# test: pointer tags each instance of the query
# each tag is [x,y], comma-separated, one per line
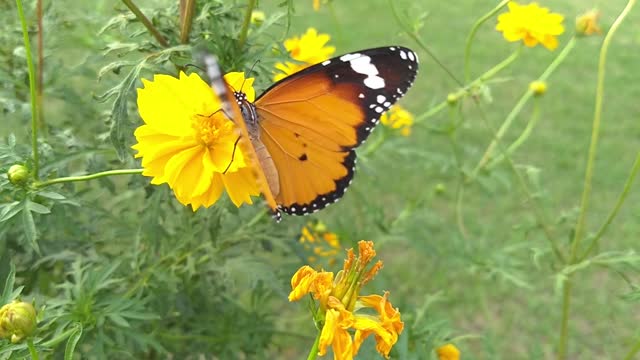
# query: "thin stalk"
[472,34]
[521,103]
[482,78]
[145,21]
[88,177]
[187,8]
[40,72]
[245,24]
[413,35]
[633,352]
[521,139]
[32,91]
[616,208]
[32,349]
[586,192]
[313,353]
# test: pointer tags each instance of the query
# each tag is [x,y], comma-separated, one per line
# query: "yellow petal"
[301,282]
[238,82]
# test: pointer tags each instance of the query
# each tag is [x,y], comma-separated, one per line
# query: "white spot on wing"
[361,96]
[387,104]
[363,65]
[392,48]
[411,56]
[349,57]
[403,55]
[379,109]
[326,62]
[381,98]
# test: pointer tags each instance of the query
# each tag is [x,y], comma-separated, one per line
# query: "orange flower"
[340,305]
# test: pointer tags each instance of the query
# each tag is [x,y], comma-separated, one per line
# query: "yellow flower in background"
[398,118]
[587,23]
[306,50]
[316,5]
[448,352]
[323,244]
[349,318]
[532,24]
[188,143]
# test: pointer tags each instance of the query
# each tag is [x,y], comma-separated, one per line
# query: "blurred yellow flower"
[448,352]
[532,24]
[324,244]
[316,5]
[188,143]
[538,87]
[587,23]
[17,321]
[341,306]
[398,118]
[306,50]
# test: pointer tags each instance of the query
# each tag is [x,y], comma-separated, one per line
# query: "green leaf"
[37,208]
[51,195]
[8,285]
[10,210]
[29,227]
[72,342]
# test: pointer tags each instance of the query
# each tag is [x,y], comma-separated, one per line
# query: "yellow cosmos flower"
[315,238]
[532,24]
[398,118]
[188,143]
[306,50]
[348,318]
[587,23]
[448,352]
[316,5]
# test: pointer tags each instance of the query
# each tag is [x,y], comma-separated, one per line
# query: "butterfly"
[303,130]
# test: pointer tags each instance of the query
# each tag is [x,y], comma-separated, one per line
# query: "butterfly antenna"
[250,71]
[233,154]
[195,66]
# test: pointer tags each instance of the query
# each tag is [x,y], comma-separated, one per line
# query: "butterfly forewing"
[312,120]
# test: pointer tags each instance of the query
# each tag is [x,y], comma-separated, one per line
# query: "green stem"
[87,177]
[187,8]
[58,339]
[472,34]
[313,353]
[520,105]
[521,139]
[40,72]
[586,192]
[482,78]
[616,208]
[633,352]
[145,21]
[32,349]
[413,35]
[245,24]
[32,91]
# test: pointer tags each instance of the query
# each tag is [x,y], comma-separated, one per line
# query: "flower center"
[210,129]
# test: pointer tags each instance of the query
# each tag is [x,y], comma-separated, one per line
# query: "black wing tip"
[324,200]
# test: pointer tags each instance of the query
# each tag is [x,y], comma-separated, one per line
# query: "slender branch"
[623,196]
[586,192]
[32,91]
[521,139]
[633,352]
[88,177]
[187,8]
[472,34]
[32,349]
[242,39]
[145,21]
[40,72]
[313,353]
[520,105]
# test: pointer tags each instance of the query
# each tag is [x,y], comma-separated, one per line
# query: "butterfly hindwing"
[312,120]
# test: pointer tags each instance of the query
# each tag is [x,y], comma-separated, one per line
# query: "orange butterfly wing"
[312,120]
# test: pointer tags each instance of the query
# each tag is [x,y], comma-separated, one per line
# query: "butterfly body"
[304,128]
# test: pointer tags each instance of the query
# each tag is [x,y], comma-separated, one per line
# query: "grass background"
[488,283]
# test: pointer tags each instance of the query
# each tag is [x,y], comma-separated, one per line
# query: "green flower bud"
[452,98]
[440,188]
[18,174]
[17,321]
